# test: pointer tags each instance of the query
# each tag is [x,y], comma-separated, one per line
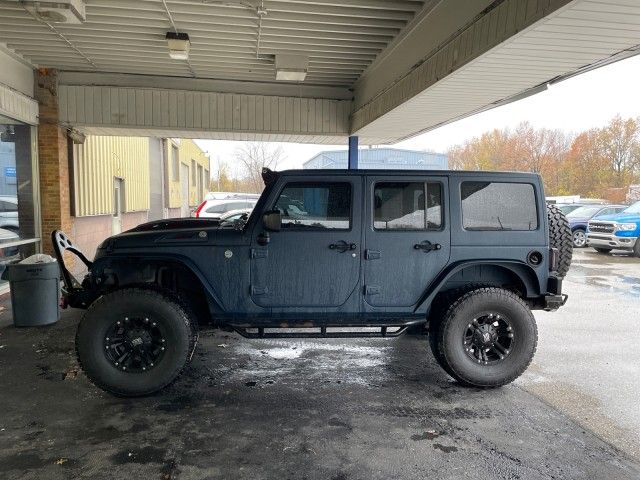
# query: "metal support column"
[353,153]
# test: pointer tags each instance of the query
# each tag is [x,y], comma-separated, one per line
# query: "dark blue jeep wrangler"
[466,255]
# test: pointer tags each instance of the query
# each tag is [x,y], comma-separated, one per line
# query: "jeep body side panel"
[298,271]
[396,269]
[201,251]
[501,245]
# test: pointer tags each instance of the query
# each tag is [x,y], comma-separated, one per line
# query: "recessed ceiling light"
[179,45]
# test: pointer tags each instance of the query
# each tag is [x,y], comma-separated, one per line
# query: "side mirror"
[272,220]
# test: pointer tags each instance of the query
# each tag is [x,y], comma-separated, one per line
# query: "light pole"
[219,172]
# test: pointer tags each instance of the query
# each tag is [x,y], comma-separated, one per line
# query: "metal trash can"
[35,290]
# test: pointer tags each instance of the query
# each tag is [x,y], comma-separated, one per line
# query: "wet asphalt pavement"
[340,409]
[587,363]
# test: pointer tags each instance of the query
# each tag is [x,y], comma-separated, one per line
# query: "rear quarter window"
[499,206]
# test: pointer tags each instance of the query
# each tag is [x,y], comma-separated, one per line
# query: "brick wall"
[52,158]
[174,213]
[89,232]
[133,219]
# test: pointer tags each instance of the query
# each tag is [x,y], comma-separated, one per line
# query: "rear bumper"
[554,298]
[605,240]
[554,302]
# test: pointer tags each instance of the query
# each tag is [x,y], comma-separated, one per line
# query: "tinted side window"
[498,206]
[225,207]
[401,206]
[216,209]
[315,206]
[234,206]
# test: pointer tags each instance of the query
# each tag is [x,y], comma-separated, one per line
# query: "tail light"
[199,209]
[554,257]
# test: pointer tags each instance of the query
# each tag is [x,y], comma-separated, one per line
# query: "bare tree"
[253,157]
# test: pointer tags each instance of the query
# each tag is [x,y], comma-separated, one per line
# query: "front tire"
[602,250]
[487,338]
[579,238]
[134,342]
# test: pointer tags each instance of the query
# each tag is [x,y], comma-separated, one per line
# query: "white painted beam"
[202,114]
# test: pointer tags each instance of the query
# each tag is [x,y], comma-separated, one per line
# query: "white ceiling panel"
[229,39]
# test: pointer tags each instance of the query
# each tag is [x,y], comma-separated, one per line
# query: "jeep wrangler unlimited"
[466,255]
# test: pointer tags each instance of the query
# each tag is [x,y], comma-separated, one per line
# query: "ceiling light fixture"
[291,68]
[179,45]
[61,11]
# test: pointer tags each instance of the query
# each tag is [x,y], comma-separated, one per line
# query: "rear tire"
[560,238]
[134,342]
[487,338]
[602,250]
[636,248]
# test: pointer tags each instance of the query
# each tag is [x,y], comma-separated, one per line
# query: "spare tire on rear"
[560,238]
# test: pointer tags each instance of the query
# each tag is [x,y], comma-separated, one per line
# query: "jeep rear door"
[314,260]
[406,237]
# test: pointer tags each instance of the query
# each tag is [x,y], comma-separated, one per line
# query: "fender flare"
[167,257]
[524,272]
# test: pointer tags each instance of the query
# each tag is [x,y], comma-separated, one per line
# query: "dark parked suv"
[467,254]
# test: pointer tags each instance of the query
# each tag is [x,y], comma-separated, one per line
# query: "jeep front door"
[314,260]
[407,239]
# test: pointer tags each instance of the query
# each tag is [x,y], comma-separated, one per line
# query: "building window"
[498,206]
[315,206]
[19,213]
[175,164]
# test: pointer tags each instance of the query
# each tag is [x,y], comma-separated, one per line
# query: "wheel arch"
[171,272]
[511,275]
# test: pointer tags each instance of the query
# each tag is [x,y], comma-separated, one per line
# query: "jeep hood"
[171,233]
[175,223]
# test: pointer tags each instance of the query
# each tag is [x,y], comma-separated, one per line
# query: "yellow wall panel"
[188,151]
[101,159]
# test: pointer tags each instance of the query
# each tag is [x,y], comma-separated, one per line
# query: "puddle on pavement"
[326,362]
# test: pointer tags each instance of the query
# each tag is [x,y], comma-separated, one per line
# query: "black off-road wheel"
[487,338]
[560,237]
[134,341]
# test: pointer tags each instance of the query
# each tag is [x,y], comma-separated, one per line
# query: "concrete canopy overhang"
[382,70]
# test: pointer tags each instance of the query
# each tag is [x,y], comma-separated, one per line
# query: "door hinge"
[372,254]
[259,290]
[259,253]
[372,290]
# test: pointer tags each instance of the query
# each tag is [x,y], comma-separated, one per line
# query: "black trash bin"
[35,292]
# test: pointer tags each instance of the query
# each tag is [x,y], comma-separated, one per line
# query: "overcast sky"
[582,102]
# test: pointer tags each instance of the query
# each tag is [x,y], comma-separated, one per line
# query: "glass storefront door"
[19,236]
